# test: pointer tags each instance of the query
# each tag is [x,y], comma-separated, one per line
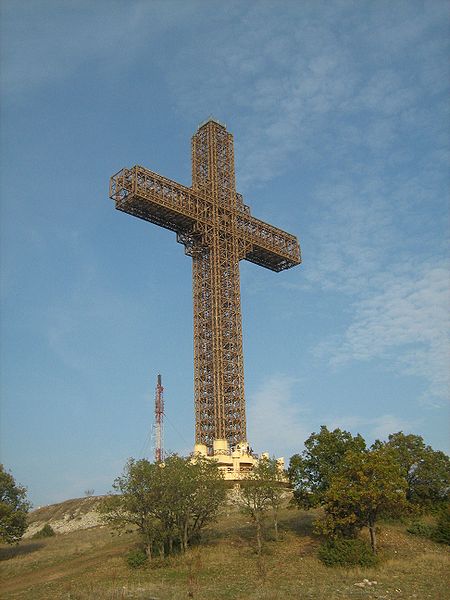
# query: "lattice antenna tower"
[159,421]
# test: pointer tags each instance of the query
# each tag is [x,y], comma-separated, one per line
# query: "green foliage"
[421,529]
[441,532]
[312,471]
[369,484]
[13,508]
[170,503]
[342,552]
[260,492]
[136,559]
[45,532]
[426,471]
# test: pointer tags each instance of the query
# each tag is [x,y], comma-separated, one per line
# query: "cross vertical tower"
[218,356]
[218,231]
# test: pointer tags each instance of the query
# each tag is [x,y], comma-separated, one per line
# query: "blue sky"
[339,111]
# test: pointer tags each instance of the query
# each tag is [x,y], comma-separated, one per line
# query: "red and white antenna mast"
[159,421]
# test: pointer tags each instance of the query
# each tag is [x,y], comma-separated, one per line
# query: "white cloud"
[294,83]
[387,424]
[376,242]
[404,322]
[352,235]
[279,424]
[53,40]
[373,428]
[302,87]
[276,422]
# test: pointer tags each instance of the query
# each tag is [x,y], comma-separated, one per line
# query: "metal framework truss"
[218,231]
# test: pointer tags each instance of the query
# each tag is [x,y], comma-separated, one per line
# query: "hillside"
[71,515]
[88,563]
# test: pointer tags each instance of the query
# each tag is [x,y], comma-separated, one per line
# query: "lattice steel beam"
[218,231]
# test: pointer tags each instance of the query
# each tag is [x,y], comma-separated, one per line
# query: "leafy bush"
[136,559]
[419,528]
[344,552]
[168,505]
[441,532]
[46,531]
[14,507]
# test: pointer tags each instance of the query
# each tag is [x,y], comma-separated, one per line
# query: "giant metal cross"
[218,231]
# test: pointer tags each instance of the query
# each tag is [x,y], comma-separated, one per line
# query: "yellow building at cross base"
[235,463]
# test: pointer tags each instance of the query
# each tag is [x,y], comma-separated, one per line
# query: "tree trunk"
[258,536]
[185,537]
[148,542]
[373,537]
[148,549]
[275,524]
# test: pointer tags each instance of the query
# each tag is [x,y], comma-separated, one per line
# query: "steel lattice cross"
[218,231]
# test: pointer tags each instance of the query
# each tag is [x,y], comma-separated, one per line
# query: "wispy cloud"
[307,93]
[373,428]
[280,423]
[406,324]
[52,41]
[312,95]
[351,236]
[277,422]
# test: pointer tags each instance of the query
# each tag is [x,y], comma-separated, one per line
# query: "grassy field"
[90,564]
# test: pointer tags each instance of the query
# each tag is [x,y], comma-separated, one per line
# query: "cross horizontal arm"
[154,198]
[271,247]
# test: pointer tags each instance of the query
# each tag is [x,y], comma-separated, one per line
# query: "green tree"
[255,503]
[270,474]
[261,492]
[368,485]
[441,532]
[170,503]
[14,507]
[312,471]
[137,496]
[196,490]
[426,471]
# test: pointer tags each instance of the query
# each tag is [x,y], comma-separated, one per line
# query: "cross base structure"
[234,463]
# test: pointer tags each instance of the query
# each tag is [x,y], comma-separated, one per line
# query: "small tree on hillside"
[170,503]
[13,508]
[273,478]
[255,502]
[260,493]
[312,471]
[196,491]
[136,502]
[210,493]
[369,484]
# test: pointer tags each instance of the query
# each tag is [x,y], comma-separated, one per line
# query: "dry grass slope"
[89,564]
